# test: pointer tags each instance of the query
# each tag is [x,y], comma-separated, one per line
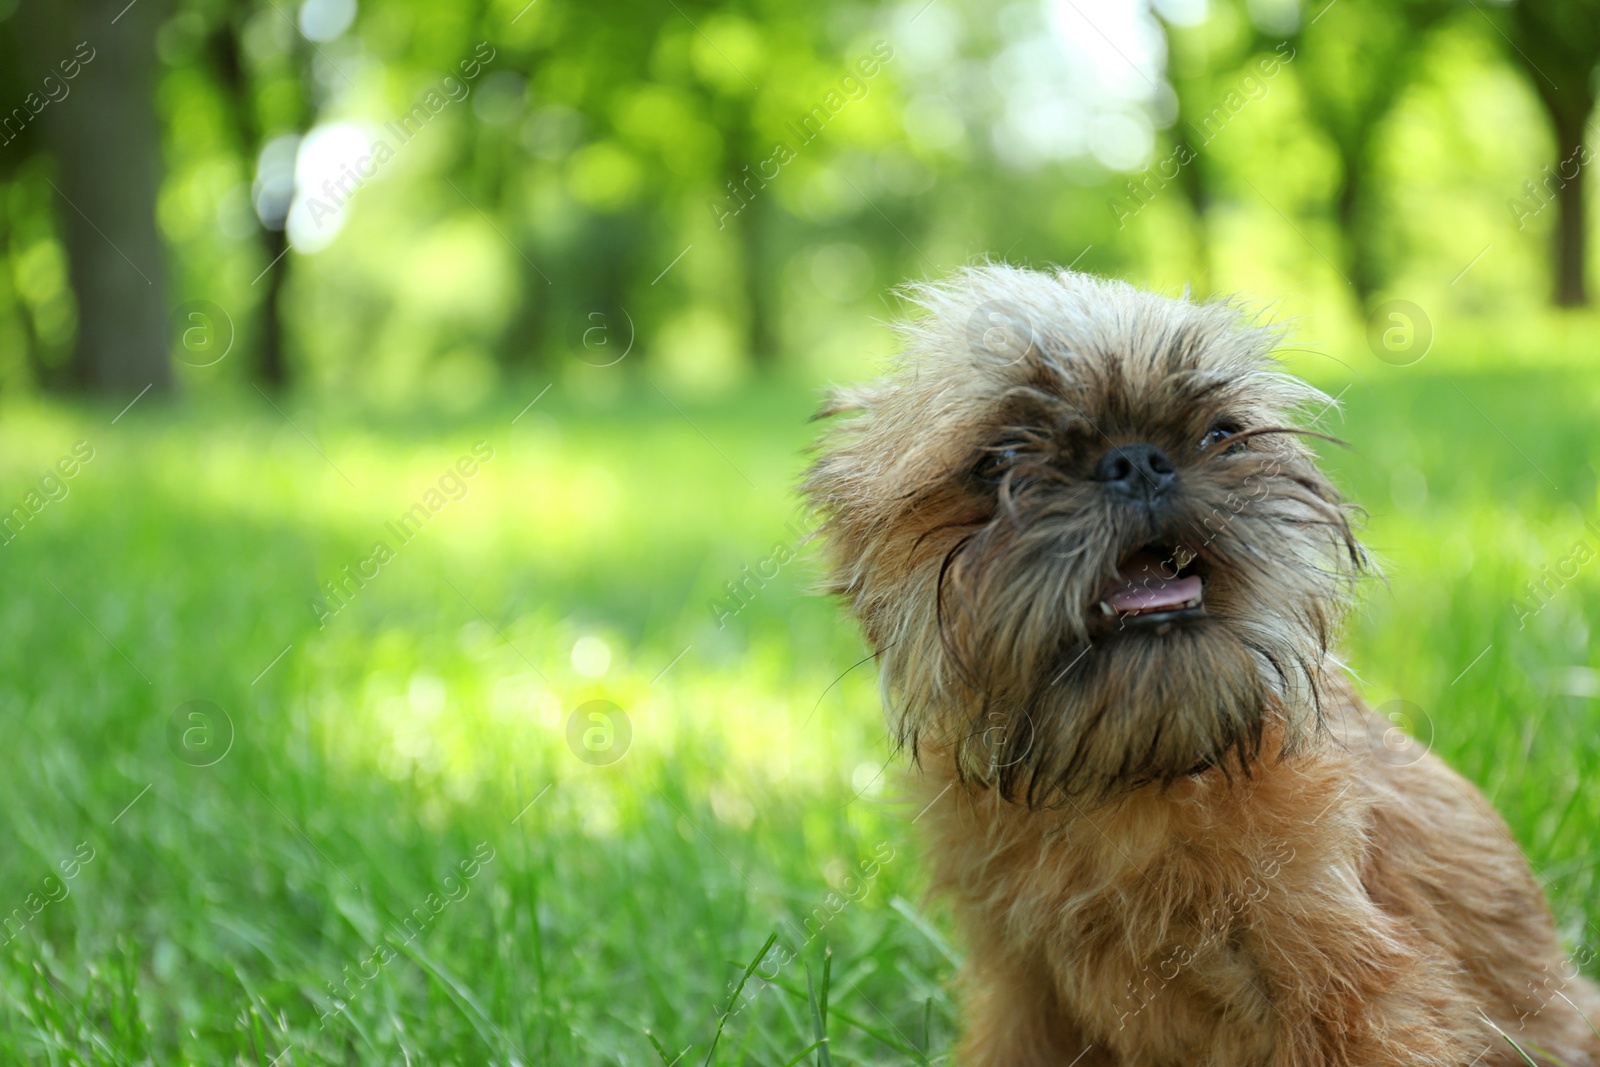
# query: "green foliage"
[732,184]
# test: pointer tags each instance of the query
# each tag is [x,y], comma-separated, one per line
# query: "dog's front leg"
[1014,1018]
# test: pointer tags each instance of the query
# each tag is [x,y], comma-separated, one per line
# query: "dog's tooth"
[1106,608]
[1182,557]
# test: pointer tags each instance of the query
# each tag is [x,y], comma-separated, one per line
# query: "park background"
[407,645]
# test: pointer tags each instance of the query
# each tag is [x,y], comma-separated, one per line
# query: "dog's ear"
[843,400]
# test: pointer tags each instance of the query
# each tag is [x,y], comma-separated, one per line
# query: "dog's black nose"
[1140,472]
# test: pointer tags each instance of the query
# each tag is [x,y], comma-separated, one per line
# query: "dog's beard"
[1055,649]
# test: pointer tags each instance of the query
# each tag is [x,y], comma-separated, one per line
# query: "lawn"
[252,820]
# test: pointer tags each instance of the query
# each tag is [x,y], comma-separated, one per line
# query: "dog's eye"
[1219,433]
[996,461]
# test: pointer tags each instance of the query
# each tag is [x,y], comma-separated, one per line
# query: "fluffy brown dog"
[1102,573]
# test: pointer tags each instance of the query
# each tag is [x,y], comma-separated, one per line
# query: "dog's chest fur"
[1170,908]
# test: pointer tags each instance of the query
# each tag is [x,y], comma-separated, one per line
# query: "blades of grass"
[254,1014]
[462,997]
[877,1035]
[1581,1015]
[727,1012]
[1547,1054]
[925,928]
[764,1034]
[1509,1041]
[126,1023]
[664,1006]
[927,1029]
[808,1050]
[69,1026]
[663,1052]
[1574,800]
[400,1035]
[744,1053]
[360,1028]
[819,1009]
[41,1011]
[827,978]
[789,1007]
[529,882]
[256,1031]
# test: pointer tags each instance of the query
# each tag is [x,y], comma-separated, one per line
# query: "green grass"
[230,911]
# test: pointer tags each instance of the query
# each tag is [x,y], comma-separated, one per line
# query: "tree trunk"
[32,356]
[107,146]
[273,364]
[1571,238]
[760,331]
[1557,46]
[743,184]
[1196,185]
[1359,262]
[227,56]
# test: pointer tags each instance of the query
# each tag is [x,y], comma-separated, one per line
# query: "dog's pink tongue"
[1146,587]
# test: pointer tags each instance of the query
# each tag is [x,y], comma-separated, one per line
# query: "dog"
[1081,527]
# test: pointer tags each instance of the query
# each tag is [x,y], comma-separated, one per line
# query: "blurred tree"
[1204,65]
[19,154]
[717,61]
[106,144]
[667,109]
[1556,44]
[579,206]
[232,73]
[1356,57]
[719,172]
[747,148]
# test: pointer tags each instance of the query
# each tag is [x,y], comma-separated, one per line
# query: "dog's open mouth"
[1157,584]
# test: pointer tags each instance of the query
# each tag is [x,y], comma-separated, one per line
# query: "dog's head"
[1079,524]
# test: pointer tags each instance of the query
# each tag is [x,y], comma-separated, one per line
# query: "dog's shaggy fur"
[1171,836]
